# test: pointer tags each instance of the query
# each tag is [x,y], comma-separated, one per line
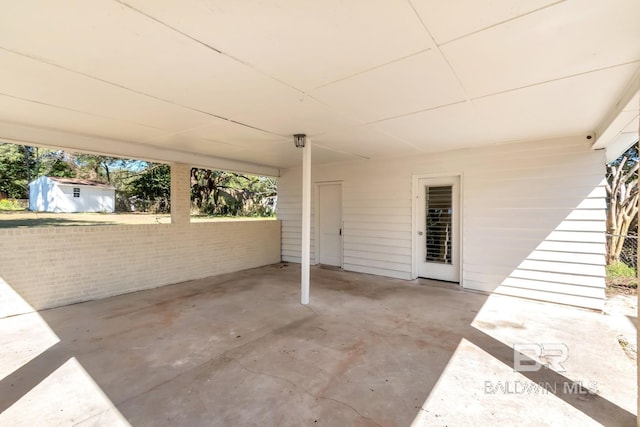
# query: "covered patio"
[511,108]
[238,349]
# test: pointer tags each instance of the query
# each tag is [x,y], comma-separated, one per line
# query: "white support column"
[306,221]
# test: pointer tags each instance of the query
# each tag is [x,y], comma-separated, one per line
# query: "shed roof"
[80,182]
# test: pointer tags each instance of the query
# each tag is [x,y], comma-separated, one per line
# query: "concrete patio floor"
[238,349]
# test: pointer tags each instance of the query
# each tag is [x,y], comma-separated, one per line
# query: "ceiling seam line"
[392,136]
[344,114]
[254,68]
[157,98]
[375,67]
[233,58]
[221,52]
[584,73]
[315,144]
[402,140]
[464,89]
[444,43]
[415,112]
[79,111]
[169,26]
[424,25]
[415,12]
[380,131]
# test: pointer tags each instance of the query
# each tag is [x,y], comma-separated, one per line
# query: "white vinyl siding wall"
[533,217]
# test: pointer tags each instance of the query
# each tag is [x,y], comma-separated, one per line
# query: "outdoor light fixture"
[299,139]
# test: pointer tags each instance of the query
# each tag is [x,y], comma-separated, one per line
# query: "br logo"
[532,357]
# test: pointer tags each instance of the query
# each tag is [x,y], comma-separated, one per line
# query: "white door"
[438,226]
[330,224]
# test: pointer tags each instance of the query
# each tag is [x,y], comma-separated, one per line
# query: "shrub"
[620,269]
[10,205]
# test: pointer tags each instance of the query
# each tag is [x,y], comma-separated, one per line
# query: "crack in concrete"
[312,310]
[84,420]
[294,385]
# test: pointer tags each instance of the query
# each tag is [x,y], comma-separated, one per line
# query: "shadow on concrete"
[236,348]
[634,321]
[595,406]
[48,222]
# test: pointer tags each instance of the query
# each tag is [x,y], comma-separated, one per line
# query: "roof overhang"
[226,84]
[620,129]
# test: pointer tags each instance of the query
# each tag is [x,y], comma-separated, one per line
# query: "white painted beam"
[53,138]
[306,222]
[609,132]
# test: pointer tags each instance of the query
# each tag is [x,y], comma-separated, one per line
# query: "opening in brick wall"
[218,194]
[44,187]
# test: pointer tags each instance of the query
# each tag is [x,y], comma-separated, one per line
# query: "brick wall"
[180,193]
[50,267]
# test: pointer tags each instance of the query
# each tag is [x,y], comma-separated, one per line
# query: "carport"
[239,349]
[510,110]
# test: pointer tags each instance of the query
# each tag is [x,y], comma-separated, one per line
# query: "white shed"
[52,194]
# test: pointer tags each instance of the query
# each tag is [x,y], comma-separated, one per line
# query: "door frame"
[415,195]
[316,220]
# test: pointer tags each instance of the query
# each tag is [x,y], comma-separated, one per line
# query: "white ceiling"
[622,130]
[225,83]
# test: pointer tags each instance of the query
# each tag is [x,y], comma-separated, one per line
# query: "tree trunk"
[622,192]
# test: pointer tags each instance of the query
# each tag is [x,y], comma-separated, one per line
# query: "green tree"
[14,166]
[98,168]
[152,188]
[21,164]
[211,192]
[49,163]
[216,192]
[259,196]
[622,197]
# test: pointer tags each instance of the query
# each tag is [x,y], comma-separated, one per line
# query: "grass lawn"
[12,219]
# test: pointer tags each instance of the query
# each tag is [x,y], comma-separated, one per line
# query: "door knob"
[420,233]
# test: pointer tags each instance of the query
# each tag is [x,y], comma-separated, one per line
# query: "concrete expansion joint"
[294,385]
